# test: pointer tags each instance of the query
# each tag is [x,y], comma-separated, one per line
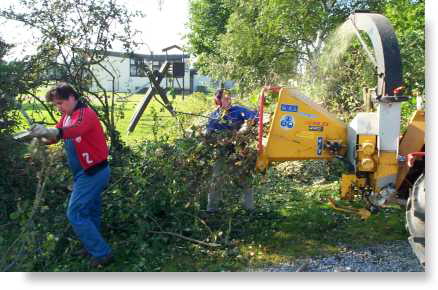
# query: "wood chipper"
[381,160]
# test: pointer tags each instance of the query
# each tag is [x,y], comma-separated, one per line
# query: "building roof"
[172,47]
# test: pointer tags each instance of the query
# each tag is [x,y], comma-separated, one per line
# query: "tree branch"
[214,245]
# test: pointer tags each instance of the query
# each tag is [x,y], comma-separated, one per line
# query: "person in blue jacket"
[234,118]
[229,117]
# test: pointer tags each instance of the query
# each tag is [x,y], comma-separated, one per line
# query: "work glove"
[40,131]
[245,127]
[250,122]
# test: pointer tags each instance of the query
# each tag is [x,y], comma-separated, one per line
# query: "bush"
[202,89]
[16,181]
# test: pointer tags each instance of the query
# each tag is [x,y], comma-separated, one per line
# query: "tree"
[269,41]
[274,41]
[11,171]
[75,35]
[208,19]
[10,73]
[407,17]
[340,81]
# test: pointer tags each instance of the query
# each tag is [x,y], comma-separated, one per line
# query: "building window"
[156,65]
[138,67]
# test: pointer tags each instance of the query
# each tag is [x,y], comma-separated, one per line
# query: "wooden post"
[141,107]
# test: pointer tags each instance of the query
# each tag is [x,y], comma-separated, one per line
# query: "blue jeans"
[84,210]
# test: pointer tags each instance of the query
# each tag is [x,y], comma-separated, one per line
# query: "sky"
[162,26]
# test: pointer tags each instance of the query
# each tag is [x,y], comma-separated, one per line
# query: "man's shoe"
[81,253]
[101,261]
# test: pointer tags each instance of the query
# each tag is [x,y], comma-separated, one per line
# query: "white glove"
[245,127]
[39,131]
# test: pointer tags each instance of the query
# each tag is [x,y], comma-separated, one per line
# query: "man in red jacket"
[87,153]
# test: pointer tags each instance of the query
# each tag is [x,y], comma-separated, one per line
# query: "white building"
[127,73]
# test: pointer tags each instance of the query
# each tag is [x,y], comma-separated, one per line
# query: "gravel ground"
[394,256]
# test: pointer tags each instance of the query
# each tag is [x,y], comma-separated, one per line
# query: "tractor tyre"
[415,218]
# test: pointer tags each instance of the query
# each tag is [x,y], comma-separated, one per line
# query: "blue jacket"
[232,119]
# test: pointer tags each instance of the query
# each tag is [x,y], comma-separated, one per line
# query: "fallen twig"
[187,238]
[303,267]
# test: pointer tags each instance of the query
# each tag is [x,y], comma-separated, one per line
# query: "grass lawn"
[155,121]
[292,221]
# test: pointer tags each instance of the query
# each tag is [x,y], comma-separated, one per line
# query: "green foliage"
[28,202]
[266,42]
[339,83]
[407,109]
[207,22]
[13,171]
[407,17]
[146,194]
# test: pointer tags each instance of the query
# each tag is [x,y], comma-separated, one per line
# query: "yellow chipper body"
[371,143]
[300,129]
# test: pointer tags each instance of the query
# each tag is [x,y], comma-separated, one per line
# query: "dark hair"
[219,94]
[218,97]
[61,91]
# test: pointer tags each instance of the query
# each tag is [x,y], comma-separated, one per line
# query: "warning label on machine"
[316,128]
[289,108]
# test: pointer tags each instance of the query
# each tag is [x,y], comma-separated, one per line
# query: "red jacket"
[88,136]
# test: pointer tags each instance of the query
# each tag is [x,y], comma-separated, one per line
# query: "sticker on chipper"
[319,146]
[289,108]
[287,122]
[316,128]
[311,116]
[315,123]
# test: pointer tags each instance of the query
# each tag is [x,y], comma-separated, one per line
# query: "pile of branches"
[153,205]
